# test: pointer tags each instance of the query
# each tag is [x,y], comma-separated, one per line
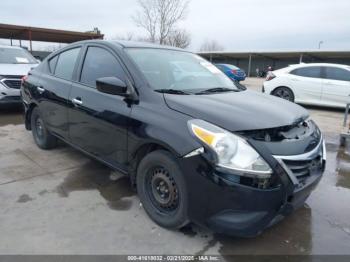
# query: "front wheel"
[42,137]
[285,93]
[162,189]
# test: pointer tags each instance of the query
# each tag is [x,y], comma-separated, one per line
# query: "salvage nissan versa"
[196,147]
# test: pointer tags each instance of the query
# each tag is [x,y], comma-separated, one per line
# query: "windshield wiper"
[240,86]
[172,91]
[216,90]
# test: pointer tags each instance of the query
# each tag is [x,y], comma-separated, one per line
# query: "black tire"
[41,135]
[342,141]
[169,211]
[284,92]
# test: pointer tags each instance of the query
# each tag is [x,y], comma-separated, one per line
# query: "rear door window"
[52,63]
[100,63]
[66,63]
[340,74]
[312,71]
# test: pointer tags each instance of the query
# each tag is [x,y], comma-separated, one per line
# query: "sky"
[237,25]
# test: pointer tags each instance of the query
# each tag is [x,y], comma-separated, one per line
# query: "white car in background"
[313,84]
[15,62]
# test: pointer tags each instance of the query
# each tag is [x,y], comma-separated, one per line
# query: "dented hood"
[238,111]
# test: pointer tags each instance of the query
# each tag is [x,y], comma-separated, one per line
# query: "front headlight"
[232,151]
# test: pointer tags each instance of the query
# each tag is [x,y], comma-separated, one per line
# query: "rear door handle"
[40,89]
[77,101]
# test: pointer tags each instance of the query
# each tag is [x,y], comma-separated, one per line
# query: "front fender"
[166,128]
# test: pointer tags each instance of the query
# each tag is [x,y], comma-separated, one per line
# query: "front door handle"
[77,101]
[40,89]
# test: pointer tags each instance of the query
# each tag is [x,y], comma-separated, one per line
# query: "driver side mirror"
[112,86]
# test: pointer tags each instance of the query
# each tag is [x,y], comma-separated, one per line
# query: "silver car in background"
[15,62]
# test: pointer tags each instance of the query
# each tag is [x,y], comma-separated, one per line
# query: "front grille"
[12,83]
[12,76]
[302,169]
[10,99]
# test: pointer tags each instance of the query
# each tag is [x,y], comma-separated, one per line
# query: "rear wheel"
[162,189]
[284,92]
[42,137]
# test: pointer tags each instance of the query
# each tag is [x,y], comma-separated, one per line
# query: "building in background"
[253,62]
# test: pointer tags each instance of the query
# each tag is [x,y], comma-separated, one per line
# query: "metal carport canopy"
[279,54]
[44,34]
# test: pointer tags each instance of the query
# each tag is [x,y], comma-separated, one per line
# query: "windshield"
[231,67]
[16,56]
[178,70]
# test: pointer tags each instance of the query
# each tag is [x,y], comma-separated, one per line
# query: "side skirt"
[113,167]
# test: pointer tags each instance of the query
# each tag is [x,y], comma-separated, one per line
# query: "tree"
[178,38]
[129,36]
[160,19]
[52,48]
[211,45]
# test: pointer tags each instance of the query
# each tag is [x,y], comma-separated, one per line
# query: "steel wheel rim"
[162,190]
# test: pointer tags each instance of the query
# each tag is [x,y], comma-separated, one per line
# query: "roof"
[320,64]
[131,44]
[280,53]
[44,34]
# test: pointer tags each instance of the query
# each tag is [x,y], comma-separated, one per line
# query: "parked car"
[233,72]
[196,148]
[313,84]
[15,62]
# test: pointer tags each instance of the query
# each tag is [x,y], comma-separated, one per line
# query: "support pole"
[11,41]
[301,58]
[249,65]
[20,43]
[211,58]
[30,40]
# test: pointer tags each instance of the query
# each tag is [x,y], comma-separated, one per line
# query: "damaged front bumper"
[220,202]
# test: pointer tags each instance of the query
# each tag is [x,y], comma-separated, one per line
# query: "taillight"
[234,72]
[23,79]
[270,76]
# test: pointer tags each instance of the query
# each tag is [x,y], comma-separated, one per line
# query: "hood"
[238,111]
[15,69]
